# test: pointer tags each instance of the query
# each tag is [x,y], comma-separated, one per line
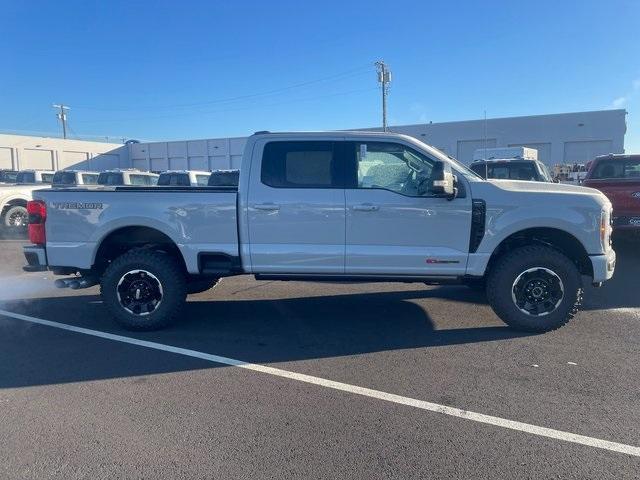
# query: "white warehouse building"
[559,139]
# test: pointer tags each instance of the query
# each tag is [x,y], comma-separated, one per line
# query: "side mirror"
[443,181]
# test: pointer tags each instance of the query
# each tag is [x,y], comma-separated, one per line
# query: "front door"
[296,211]
[394,226]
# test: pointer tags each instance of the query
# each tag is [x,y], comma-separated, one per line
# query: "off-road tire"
[168,273]
[500,286]
[199,286]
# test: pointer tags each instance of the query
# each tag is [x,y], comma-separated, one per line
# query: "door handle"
[365,207]
[266,206]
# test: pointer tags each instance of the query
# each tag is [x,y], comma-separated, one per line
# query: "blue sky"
[173,70]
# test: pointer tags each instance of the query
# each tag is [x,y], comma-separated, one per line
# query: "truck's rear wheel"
[534,288]
[143,289]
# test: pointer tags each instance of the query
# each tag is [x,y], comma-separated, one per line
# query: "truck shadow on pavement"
[263,330]
[258,331]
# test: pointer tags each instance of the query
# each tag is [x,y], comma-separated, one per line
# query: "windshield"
[466,171]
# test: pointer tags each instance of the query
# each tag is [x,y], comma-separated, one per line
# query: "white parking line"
[345,387]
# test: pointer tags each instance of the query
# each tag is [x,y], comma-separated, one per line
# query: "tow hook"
[76,283]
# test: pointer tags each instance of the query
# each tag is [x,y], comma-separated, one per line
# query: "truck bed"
[199,220]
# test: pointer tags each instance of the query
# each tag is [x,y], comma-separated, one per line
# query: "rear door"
[394,226]
[296,209]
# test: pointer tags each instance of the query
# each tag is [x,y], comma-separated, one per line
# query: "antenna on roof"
[486,165]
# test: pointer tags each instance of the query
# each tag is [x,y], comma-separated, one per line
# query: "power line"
[188,114]
[338,76]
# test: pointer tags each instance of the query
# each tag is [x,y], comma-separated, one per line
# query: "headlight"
[605,229]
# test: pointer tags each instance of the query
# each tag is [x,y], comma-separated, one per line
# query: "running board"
[304,277]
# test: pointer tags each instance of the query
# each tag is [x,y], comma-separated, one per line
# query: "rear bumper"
[36,257]
[603,266]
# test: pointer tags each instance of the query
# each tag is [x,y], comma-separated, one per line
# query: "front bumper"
[603,265]
[36,257]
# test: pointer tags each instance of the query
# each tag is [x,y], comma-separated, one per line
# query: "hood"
[541,192]
[527,186]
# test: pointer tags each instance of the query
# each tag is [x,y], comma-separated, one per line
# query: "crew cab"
[329,206]
[130,176]
[184,178]
[74,178]
[618,177]
[512,169]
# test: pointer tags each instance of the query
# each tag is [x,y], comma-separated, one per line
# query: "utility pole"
[62,116]
[384,79]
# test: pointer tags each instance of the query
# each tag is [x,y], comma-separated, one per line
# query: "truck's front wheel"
[534,288]
[144,289]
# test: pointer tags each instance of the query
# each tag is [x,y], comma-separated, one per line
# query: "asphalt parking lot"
[77,405]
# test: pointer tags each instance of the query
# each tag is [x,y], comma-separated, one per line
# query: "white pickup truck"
[345,206]
[14,196]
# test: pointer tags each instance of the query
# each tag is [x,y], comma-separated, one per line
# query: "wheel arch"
[125,238]
[556,238]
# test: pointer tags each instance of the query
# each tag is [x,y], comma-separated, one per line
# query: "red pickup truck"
[618,177]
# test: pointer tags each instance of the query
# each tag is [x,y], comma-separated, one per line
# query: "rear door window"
[304,164]
[47,177]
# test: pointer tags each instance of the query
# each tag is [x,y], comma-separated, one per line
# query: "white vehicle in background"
[129,176]
[73,178]
[34,176]
[184,178]
[14,197]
